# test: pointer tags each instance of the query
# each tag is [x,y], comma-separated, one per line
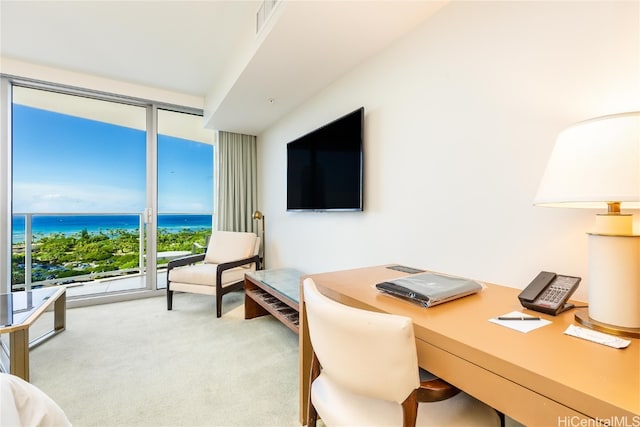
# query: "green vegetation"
[57,256]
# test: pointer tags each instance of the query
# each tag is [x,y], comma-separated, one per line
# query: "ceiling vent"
[266,9]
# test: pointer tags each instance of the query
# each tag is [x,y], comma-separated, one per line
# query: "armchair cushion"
[205,274]
[226,246]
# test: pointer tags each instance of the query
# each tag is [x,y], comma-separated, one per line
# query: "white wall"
[461,116]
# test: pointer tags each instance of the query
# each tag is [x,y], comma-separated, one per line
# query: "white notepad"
[523,326]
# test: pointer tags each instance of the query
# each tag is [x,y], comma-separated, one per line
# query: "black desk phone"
[549,292]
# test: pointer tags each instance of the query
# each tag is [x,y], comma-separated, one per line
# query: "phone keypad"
[553,294]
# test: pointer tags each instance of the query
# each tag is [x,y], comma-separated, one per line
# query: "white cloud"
[59,198]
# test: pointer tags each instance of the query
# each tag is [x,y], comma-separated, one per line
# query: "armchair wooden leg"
[219,292]
[169,298]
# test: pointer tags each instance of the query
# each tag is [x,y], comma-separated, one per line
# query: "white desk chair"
[365,372]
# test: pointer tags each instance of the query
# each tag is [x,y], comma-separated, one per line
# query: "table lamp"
[257,215]
[596,164]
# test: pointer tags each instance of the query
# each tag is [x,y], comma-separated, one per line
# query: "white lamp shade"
[594,162]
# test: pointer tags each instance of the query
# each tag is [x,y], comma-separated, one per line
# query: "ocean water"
[43,225]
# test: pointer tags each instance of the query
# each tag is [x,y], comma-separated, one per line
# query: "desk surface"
[567,376]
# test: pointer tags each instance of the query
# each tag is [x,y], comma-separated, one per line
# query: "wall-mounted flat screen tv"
[324,167]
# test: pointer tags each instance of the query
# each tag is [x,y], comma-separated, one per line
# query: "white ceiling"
[209,48]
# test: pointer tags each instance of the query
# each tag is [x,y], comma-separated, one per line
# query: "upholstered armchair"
[218,271]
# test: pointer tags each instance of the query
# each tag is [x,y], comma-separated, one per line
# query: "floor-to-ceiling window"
[89,175]
[78,188]
[185,185]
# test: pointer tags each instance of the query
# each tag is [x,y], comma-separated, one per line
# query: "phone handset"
[549,292]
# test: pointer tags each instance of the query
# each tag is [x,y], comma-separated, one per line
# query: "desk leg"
[305,360]
[19,353]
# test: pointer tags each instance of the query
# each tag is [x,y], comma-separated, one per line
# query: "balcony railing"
[87,247]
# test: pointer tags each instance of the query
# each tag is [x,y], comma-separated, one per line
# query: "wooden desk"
[542,378]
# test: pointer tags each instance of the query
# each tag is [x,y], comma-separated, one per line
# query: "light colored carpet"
[136,364]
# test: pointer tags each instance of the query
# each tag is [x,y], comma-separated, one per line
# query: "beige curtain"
[237,182]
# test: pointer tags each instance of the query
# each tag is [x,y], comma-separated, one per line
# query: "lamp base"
[582,317]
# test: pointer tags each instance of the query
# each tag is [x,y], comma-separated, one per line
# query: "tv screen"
[324,167]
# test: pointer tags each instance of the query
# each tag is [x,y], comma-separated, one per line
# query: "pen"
[518,318]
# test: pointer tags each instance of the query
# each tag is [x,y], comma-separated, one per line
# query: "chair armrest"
[436,390]
[229,265]
[196,246]
[189,259]
[232,264]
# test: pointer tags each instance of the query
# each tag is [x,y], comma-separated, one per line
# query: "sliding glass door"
[89,176]
[185,186]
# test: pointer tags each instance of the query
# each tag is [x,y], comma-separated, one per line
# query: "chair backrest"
[368,353]
[226,246]
[256,249]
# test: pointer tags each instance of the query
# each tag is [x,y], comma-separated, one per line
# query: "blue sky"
[63,164]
